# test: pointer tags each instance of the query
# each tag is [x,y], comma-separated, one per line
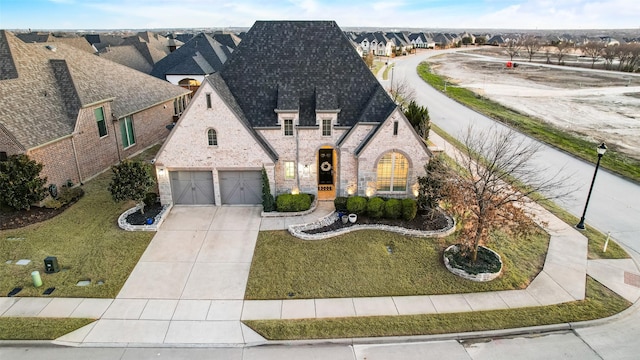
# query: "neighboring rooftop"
[50,82]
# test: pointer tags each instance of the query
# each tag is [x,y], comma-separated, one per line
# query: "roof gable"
[202,55]
[289,57]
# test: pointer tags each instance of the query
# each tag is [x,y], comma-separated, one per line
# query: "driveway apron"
[188,286]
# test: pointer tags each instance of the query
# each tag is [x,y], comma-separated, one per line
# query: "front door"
[326,188]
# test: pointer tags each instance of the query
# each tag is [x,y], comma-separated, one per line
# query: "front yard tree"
[432,185]
[489,192]
[20,182]
[131,181]
[562,49]
[418,116]
[368,59]
[401,92]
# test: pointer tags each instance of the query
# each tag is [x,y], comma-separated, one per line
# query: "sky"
[449,14]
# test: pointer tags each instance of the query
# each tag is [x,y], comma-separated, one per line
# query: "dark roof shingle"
[311,60]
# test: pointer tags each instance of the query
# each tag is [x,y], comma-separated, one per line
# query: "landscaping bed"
[429,220]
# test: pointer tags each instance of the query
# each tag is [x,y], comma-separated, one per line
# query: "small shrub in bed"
[409,209]
[340,203]
[357,205]
[375,207]
[293,203]
[393,208]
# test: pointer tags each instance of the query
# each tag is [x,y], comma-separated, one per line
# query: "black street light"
[601,150]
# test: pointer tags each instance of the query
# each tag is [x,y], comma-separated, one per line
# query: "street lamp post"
[601,150]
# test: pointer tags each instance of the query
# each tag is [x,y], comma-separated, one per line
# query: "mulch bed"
[138,218]
[428,220]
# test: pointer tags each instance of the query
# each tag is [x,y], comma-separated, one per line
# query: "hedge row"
[294,203]
[378,207]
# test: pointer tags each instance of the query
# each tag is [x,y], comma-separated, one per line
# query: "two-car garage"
[235,187]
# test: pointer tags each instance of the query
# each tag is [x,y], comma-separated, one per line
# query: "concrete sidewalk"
[188,287]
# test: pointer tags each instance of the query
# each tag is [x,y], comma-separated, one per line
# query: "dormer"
[288,109]
[327,110]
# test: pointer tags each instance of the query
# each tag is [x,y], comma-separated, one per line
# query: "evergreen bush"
[375,207]
[268,203]
[393,208]
[409,209]
[357,205]
[293,203]
[340,203]
[20,183]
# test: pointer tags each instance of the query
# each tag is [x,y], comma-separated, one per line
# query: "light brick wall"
[58,160]
[187,147]
[349,164]
[406,142]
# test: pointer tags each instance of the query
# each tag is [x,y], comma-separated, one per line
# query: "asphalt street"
[615,203]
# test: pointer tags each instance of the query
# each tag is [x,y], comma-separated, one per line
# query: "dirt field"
[599,105]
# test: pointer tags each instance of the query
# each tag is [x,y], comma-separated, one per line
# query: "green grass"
[600,302]
[20,328]
[86,240]
[385,74]
[596,238]
[358,265]
[613,160]
[377,65]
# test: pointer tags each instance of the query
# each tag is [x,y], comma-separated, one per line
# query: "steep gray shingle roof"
[291,55]
[127,55]
[42,102]
[221,87]
[201,55]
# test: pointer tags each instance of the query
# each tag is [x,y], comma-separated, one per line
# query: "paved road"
[615,203]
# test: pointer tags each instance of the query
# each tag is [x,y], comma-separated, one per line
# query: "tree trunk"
[476,240]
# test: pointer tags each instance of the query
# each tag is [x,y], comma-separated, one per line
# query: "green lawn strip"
[377,65]
[358,265]
[86,240]
[385,74]
[600,303]
[23,328]
[596,238]
[613,160]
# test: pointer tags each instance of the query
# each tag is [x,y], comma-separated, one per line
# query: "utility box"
[51,265]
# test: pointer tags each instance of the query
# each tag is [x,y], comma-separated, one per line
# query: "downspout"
[75,155]
[115,135]
[297,160]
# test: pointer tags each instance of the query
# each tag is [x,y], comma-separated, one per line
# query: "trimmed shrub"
[20,182]
[375,207]
[357,204]
[340,203]
[393,208]
[293,203]
[150,198]
[409,209]
[268,204]
[65,196]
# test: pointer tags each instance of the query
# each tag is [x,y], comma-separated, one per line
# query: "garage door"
[192,187]
[240,187]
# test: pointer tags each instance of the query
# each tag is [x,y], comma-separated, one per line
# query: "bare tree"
[593,49]
[531,45]
[489,190]
[609,54]
[513,47]
[401,92]
[547,54]
[562,50]
[368,59]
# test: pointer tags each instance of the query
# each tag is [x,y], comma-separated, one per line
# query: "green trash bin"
[35,276]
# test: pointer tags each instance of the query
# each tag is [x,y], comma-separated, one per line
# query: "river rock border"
[480,277]
[298,230]
[124,225]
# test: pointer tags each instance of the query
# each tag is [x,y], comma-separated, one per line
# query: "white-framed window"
[288,127]
[126,132]
[393,169]
[212,137]
[289,170]
[326,127]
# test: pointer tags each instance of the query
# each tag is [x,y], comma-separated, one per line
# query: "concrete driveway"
[188,286]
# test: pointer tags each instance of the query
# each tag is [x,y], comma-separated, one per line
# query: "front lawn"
[359,264]
[86,240]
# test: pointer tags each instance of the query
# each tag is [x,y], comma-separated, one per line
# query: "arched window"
[213,137]
[393,168]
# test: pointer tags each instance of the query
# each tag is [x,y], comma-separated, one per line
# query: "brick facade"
[188,149]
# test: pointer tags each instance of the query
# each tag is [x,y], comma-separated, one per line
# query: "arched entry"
[327,173]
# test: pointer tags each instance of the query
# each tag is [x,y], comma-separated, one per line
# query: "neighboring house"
[313,115]
[76,113]
[189,64]
[496,40]
[140,52]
